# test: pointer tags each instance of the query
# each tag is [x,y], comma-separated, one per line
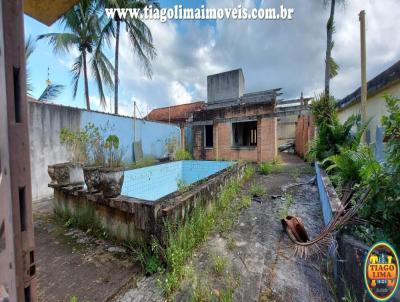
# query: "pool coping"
[145,218]
[177,193]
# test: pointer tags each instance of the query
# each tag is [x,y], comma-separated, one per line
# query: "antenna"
[48,82]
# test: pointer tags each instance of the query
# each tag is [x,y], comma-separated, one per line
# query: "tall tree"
[83,30]
[139,35]
[52,91]
[331,68]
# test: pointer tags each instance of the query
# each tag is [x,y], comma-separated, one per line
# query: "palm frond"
[76,73]
[29,48]
[142,43]
[61,42]
[326,237]
[51,92]
[333,68]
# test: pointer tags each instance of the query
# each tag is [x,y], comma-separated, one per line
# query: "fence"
[304,134]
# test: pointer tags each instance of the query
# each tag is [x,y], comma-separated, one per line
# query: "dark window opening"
[209,136]
[22,208]
[244,134]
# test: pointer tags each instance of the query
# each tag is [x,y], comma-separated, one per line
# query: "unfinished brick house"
[235,125]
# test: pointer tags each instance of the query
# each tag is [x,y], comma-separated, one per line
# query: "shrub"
[331,134]
[268,167]
[257,191]
[383,179]
[76,143]
[182,154]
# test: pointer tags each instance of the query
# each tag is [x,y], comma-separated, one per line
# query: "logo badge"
[381,271]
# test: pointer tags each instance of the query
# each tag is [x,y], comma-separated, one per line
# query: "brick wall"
[305,130]
[266,148]
[268,139]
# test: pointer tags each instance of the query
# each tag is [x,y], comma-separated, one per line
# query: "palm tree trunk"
[329,33]
[86,80]
[116,81]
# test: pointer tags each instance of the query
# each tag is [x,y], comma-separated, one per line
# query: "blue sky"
[287,54]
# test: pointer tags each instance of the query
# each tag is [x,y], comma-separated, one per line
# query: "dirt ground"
[256,256]
[71,263]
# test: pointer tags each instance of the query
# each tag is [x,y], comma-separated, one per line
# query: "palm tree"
[331,68]
[82,30]
[139,34]
[52,91]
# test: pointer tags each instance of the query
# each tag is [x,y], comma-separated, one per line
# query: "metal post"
[363,71]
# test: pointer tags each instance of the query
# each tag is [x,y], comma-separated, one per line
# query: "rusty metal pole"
[17,257]
[363,72]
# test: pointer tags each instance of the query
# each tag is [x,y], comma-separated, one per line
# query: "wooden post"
[363,71]
[182,126]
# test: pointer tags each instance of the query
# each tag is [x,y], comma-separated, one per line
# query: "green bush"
[268,167]
[257,191]
[331,134]
[182,154]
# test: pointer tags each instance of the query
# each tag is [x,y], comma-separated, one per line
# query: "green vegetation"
[295,172]
[144,162]
[287,203]
[83,217]
[219,265]
[350,162]
[277,160]
[76,142]
[82,25]
[209,288]
[182,154]
[269,167]
[182,186]
[332,135]
[257,191]
[184,238]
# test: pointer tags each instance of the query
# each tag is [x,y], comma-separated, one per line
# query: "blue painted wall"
[327,215]
[152,135]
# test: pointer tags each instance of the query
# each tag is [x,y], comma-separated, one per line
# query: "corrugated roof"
[381,81]
[174,114]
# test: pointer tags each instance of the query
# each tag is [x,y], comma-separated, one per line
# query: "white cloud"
[287,54]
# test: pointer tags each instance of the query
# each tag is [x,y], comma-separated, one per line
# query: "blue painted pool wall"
[327,215]
[323,196]
[152,135]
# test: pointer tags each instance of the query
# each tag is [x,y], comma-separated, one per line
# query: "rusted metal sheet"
[17,258]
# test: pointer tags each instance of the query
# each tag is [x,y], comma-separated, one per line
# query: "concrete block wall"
[46,121]
[225,85]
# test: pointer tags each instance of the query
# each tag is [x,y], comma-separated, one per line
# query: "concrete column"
[182,136]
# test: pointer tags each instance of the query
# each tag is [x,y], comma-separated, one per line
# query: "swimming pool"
[154,182]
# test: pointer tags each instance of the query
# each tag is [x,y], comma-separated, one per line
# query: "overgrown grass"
[288,202]
[257,191]
[219,265]
[277,160]
[184,238]
[268,167]
[83,217]
[144,162]
[295,173]
[182,154]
